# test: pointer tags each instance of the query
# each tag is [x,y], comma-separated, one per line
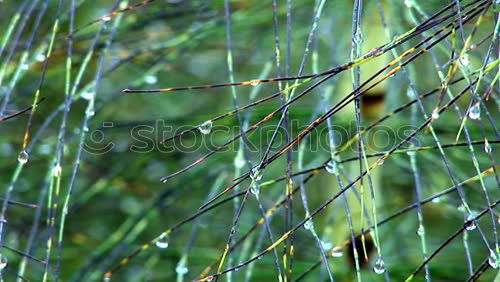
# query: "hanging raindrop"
[206,127]
[435,115]
[379,266]
[3,261]
[420,230]
[181,269]
[255,189]
[337,252]
[23,157]
[358,37]
[331,167]
[57,170]
[88,95]
[163,241]
[151,79]
[494,259]
[487,147]
[256,174]
[474,112]
[464,60]
[470,224]
[254,82]
[239,160]
[308,225]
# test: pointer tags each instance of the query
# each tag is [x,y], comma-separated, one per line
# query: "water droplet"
[411,153]
[494,259]
[260,257]
[86,128]
[181,269]
[88,95]
[411,93]
[164,179]
[163,241]
[3,261]
[90,112]
[358,37]
[40,58]
[464,60]
[254,82]
[337,252]
[470,224]
[474,112]
[255,189]
[381,162]
[206,127]
[256,174]
[23,157]
[151,79]
[239,161]
[308,225]
[57,170]
[106,18]
[326,245]
[420,230]
[461,208]
[408,3]
[436,200]
[487,147]
[379,266]
[435,115]
[25,67]
[331,167]
[107,279]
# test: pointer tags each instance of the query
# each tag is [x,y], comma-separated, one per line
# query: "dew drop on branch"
[379,266]
[494,259]
[337,252]
[206,127]
[255,189]
[308,225]
[435,115]
[88,95]
[239,161]
[163,241]
[151,79]
[254,82]
[256,174]
[57,170]
[411,153]
[358,37]
[40,57]
[23,157]
[331,167]
[470,224]
[3,261]
[474,112]
[420,230]
[487,147]
[464,60]
[181,269]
